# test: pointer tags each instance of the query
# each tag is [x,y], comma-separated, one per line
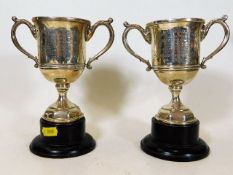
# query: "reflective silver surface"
[59,46]
[62,56]
[178,46]
[175,49]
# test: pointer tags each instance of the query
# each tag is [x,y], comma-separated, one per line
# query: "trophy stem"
[175,89]
[175,112]
[62,88]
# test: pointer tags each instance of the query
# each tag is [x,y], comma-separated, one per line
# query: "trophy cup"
[175,60]
[62,59]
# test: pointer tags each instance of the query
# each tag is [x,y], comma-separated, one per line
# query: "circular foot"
[197,151]
[41,148]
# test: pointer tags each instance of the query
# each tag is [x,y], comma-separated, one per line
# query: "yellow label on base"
[49,131]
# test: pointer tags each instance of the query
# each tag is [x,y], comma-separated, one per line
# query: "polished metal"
[147,37]
[62,56]
[175,47]
[205,30]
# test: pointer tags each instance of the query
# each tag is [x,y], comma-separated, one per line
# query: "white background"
[117,96]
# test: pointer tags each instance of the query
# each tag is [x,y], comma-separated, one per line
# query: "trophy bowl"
[62,59]
[175,47]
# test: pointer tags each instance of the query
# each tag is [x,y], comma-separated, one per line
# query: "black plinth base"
[62,140]
[175,142]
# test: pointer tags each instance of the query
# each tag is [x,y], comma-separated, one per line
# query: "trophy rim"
[55,18]
[174,20]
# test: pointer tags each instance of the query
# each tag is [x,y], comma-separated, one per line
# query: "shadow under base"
[69,140]
[179,143]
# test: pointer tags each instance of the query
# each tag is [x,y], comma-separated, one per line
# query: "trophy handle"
[91,31]
[147,37]
[32,28]
[205,31]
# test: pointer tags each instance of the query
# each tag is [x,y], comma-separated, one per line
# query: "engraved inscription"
[59,46]
[177,46]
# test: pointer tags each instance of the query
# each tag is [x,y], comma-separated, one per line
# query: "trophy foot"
[62,140]
[56,114]
[179,143]
[180,116]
